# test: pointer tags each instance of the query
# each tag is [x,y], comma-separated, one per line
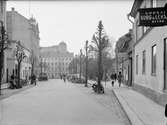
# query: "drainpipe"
[133,51]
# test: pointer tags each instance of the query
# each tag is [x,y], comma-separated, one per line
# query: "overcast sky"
[75,22]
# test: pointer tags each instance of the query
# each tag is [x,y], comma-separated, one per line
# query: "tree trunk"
[86,73]
[1,68]
[18,75]
[32,72]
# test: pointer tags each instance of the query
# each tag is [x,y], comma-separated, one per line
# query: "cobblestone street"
[56,102]
[109,101]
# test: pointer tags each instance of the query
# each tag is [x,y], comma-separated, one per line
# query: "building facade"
[25,71]
[150,54]
[124,62]
[55,60]
[26,31]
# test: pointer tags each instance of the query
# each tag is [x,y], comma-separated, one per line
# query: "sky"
[74,22]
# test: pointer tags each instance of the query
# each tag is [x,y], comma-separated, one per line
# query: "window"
[137,64]
[136,30]
[144,62]
[153,60]
[153,3]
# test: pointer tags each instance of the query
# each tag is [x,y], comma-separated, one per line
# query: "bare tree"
[100,41]
[20,55]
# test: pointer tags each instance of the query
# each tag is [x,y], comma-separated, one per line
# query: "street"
[57,103]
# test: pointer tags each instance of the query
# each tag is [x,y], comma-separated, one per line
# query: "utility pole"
[86,73]
[80,64]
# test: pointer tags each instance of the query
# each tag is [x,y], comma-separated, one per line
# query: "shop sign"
[153,16]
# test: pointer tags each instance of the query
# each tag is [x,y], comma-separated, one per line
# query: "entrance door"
[165,64]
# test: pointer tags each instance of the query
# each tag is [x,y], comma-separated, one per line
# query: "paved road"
[56,103]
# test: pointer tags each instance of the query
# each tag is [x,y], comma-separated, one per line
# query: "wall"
[155,36]
[145,42]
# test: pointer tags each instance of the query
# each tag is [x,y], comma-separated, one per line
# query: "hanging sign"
[153,16]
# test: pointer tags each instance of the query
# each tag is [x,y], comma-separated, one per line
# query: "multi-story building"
[24,30]
[150,54]
[55,60]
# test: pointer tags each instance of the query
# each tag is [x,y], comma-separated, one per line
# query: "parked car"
[43,77]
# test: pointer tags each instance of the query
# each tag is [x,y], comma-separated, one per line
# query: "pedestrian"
[112,79]
[119,78]
[115,77]
[34,79]
[12,82]
[64,78]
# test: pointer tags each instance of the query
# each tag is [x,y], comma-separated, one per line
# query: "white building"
[55,60]
[150,56]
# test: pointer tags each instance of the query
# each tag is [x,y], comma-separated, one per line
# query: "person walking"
[12,82]
[111,77]
[115,77]
[119,78]
[34,79]
[64,78]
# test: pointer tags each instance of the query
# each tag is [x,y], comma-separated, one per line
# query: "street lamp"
[80,64]
[86,73]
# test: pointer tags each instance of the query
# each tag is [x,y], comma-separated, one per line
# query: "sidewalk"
[6,92]
[140,109]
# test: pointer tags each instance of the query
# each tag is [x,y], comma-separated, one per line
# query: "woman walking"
[119,78]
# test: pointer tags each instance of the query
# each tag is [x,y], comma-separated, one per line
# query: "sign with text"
[153,16]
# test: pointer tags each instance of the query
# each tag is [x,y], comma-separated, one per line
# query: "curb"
[129,112]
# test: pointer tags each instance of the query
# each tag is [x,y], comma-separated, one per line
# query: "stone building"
[55,60]
[150,54]
[19,28]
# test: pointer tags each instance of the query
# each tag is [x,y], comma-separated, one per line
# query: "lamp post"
[80,64]
[86,72]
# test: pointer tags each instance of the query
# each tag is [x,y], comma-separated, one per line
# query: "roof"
[123,44]
[135,7]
